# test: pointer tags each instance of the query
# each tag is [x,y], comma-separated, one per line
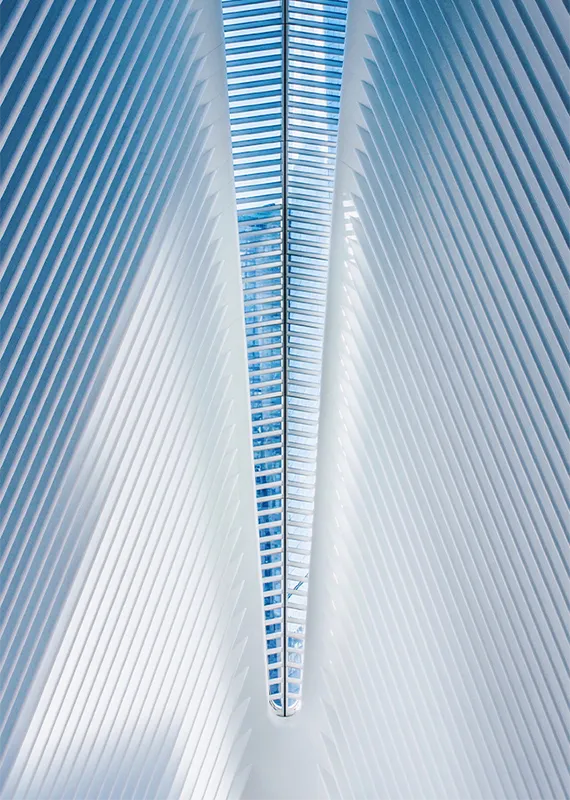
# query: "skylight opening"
[284,63]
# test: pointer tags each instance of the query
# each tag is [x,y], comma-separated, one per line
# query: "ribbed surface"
[440,573]
[302,177]
[315,48]
[254,52]
[124,401]
[132,647]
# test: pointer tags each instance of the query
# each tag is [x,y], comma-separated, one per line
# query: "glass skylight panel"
[254,51]
[315,49]
[284,62]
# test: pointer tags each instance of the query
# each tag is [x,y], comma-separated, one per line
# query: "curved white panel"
[438,613]
[132,639]
[132,659]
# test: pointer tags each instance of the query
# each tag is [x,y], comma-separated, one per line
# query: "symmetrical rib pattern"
[133,658]
[284,64]
[126,580]
[440,571]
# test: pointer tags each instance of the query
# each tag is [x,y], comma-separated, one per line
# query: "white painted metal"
[132,638]
[437,640]
[132,649]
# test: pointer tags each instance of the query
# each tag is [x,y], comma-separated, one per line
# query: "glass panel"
[284,149]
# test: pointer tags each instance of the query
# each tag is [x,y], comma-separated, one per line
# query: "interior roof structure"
[285,326]
[284,62]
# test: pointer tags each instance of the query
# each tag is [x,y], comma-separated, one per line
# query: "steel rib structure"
[284,61]
[200,207]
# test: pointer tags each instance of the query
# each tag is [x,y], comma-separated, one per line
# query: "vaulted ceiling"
[284,400]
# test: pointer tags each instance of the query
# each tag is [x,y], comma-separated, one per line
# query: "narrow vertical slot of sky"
[254,53]
[284,94]
[315,50]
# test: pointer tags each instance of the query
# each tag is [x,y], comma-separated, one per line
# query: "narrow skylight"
[284,62]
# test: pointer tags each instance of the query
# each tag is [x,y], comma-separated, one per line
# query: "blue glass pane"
[284,93]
